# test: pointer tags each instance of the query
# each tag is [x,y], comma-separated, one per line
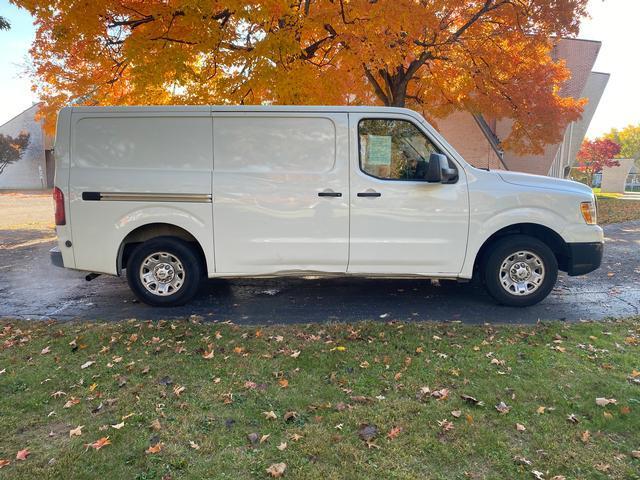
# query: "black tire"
[180,253]
[499,253]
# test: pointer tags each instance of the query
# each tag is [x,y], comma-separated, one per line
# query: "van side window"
[393,149]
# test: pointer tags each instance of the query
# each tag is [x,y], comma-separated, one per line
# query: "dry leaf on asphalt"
[277,470]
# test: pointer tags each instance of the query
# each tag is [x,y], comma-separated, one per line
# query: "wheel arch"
[149,231]
[548,236]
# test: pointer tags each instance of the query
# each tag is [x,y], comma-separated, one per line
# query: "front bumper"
[584,257]
[56,257]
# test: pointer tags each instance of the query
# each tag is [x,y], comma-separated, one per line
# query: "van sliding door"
[280,192]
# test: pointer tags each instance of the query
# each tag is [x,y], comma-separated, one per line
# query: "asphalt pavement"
[32,288]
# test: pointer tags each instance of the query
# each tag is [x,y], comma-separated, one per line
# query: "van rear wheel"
[520,271]
[164,272]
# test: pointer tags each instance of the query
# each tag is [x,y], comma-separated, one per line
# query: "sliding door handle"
[369,193]
[329,193]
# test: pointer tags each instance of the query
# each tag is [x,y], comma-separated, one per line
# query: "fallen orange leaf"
[23,454]
[155,448]
[394,432]
[98,444]
[71,402]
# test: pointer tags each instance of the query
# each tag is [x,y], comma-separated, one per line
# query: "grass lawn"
[370,400]
[599,194]
[614,210]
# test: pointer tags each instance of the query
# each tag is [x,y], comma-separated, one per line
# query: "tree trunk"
[391,89]
[399,97]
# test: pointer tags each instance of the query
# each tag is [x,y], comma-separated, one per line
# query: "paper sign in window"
[379,150]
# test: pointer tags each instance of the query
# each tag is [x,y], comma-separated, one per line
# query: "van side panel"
[281,190]
[115,157]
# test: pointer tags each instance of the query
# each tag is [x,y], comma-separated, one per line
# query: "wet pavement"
[30,287]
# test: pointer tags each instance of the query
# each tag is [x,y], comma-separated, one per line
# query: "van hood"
[540,181]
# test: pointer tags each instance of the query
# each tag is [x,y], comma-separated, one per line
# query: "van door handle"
[329,193]
[369,193]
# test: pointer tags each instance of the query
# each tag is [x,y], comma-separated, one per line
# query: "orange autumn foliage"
[435,56]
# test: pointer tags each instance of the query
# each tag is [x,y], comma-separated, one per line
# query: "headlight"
[589,214]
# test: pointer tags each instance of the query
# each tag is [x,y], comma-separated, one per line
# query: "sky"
[614,22]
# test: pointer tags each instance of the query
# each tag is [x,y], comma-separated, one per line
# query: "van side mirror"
[439,171]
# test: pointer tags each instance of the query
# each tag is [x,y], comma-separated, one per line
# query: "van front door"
[400,223]
[280,192]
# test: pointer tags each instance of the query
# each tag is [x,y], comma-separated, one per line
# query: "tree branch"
[376,86]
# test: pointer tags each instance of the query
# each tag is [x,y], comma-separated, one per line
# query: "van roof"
[239,108]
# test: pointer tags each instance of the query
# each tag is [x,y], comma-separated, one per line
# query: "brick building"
[477,138]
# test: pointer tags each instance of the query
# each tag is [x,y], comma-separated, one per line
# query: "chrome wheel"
[521,273]
[162,274]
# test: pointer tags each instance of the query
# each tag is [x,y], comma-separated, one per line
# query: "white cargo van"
[170,195]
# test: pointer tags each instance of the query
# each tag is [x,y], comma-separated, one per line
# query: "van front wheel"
[520,271]
[164,272]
